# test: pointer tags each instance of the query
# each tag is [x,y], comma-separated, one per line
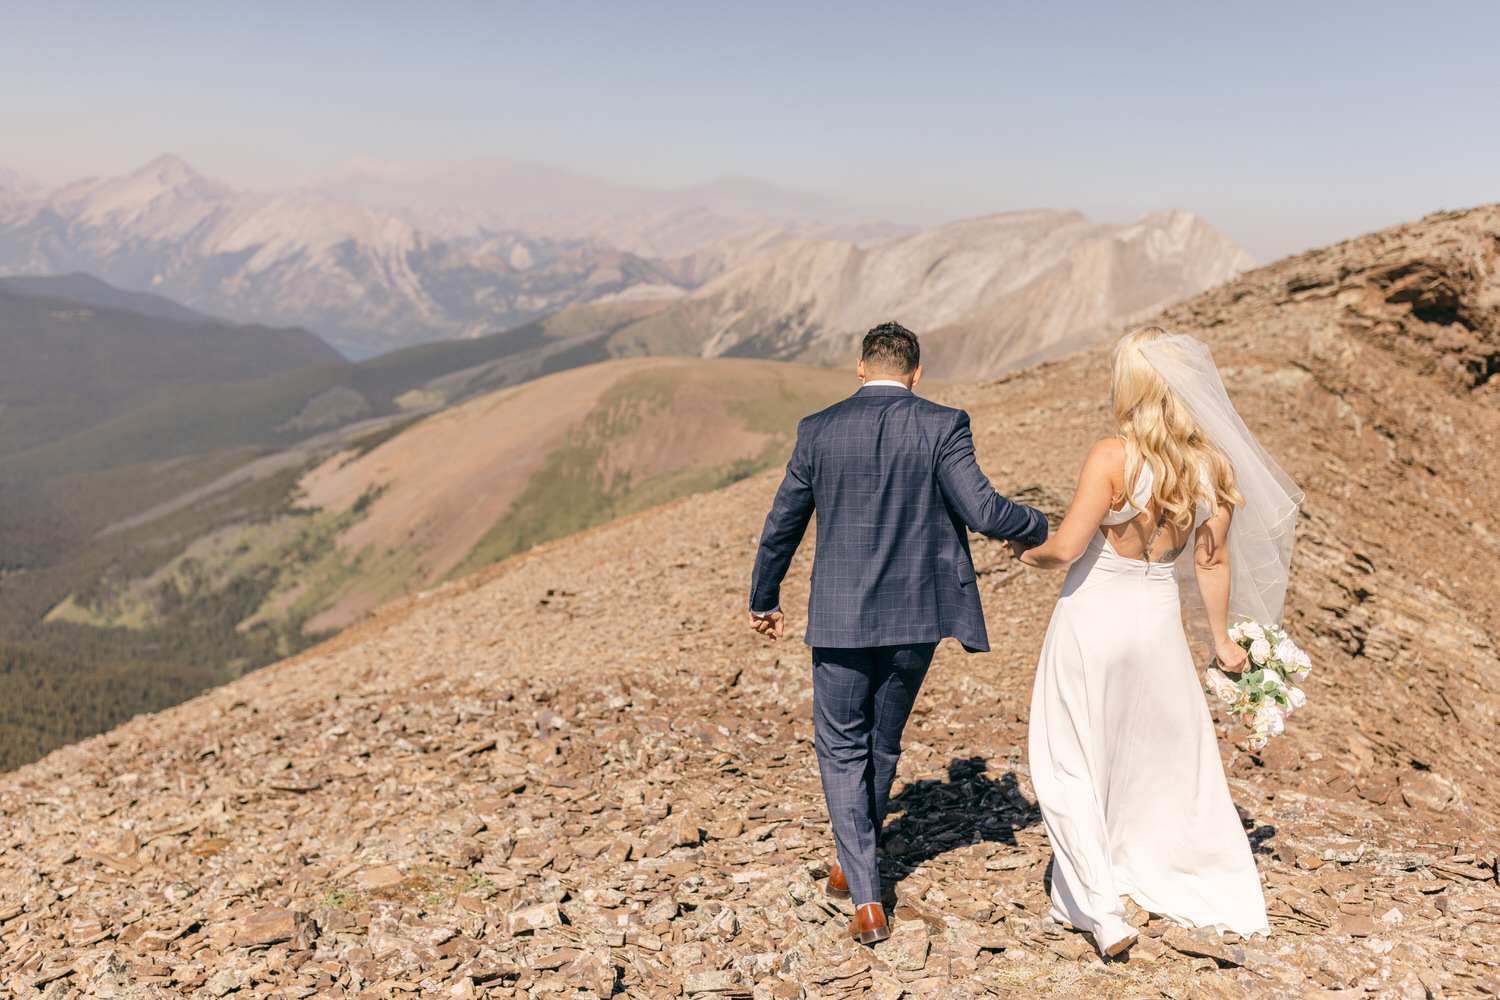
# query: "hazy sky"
[1287,125]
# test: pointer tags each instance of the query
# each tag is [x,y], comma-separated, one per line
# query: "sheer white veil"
[1260,534]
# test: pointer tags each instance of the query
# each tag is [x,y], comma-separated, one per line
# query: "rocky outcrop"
[577,773]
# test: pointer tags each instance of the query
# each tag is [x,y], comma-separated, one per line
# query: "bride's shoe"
[1121,946]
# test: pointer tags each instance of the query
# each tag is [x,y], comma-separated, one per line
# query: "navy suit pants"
[861,700]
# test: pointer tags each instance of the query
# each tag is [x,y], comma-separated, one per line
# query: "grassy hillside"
[463,488]
[87,290]
[127,418]
[65,367]
[667,430]
[158,576]
[66,679]
[182,500]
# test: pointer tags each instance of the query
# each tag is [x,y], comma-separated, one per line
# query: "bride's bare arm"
[1096,486]
[1211,566]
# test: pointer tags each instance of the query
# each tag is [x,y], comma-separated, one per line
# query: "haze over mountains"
[377,256]
[520,195]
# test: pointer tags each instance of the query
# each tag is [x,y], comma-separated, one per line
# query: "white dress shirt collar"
[887,381]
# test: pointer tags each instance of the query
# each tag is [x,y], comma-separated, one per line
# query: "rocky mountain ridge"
[576,773]
[375,260]
[363,278]
[985,293]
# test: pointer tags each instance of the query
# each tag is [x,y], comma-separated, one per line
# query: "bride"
[1124,760]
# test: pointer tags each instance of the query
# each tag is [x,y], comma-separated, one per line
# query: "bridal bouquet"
[1266,692]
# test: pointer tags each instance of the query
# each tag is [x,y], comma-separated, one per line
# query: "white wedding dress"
[1124,760]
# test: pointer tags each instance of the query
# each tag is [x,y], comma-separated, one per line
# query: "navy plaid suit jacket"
[894,482]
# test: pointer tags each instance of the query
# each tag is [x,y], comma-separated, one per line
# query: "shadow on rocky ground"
[931,817]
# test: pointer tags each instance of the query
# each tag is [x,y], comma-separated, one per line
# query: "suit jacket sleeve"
[785,526]
[970,494]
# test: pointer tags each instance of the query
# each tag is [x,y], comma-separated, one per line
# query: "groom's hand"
[768,624]
[1017,547]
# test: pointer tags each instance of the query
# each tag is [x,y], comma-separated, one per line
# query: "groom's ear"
[859,369]
[916,376]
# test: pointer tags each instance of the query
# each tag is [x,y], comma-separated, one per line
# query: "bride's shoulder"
[1107,461]
[1110,451]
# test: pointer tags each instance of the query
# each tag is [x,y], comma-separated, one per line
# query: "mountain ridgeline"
[379,257]
[986,294]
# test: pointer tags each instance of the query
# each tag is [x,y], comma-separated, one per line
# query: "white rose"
[1252,630]
[1268,720]
[1286,651]
[1236,633]
[1260,649]
[1295,699]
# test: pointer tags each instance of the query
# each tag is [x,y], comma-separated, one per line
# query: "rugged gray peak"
[363,277]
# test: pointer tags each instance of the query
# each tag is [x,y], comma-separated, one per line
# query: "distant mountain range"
[985,294]
[362,278]
[13,185]
[378,256]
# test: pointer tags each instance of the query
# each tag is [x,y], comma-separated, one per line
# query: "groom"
[894,481]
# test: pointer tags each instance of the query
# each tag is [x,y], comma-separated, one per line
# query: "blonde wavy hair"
[1159,432]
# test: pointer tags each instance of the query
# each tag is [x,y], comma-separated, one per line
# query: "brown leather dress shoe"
[837,887]
[868,925]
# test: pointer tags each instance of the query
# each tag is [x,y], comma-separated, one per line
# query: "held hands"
[771,624]
[1230,655]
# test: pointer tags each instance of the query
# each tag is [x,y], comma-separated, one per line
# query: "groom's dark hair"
[891,347]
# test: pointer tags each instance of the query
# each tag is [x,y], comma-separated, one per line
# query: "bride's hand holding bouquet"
[1255,672]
